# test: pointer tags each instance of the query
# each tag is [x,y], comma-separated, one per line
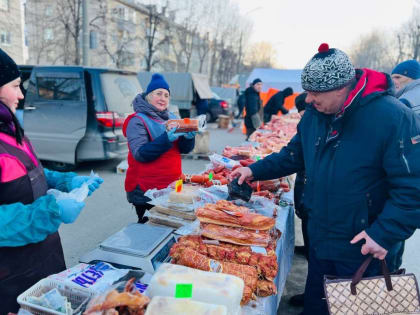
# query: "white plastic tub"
[206,287]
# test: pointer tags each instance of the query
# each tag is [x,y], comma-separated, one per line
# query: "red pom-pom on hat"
[323,48]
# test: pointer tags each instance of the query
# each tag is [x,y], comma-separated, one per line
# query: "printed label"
[215,266]
[91,275]
[259,250]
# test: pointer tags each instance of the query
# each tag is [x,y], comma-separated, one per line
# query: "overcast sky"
[297,27]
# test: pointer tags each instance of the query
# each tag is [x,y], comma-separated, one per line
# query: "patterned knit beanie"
[328,70]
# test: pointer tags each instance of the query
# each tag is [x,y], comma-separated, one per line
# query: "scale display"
[139,246]
[162,255]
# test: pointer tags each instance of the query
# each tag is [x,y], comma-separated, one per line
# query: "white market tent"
[277,79]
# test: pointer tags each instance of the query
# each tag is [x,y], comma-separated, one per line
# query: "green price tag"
[210,176]
[258,158]
[183,290]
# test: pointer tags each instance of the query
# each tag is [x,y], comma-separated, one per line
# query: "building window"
[5,37]
[49,10]
[93,40]
[4,5]
[48,34]
[119,12]
[127,58]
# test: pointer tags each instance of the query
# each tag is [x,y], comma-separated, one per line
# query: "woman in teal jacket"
[30,247]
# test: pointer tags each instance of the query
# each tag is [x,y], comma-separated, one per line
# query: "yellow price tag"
[178,185]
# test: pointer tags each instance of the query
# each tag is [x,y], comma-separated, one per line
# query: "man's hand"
[370,247]
[243,173]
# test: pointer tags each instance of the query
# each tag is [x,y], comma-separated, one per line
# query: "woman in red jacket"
[154,159]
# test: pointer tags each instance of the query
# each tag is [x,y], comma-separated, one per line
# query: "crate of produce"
[78,297]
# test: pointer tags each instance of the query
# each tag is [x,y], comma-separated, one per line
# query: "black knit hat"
[300,102]
[257,80]
[328,70]
[8,69]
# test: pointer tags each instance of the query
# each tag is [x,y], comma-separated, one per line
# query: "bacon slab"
[251,221]
[236,235]
[193,259]
[266,265]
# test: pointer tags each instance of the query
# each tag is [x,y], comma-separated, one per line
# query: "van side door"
[55,112]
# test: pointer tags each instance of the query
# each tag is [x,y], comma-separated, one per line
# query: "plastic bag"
[261,205]
[237,191]
[191,228]
[161,198]
[210,195]
[98,277]
[120,294]
[222,160]
[78,194]
[187,124]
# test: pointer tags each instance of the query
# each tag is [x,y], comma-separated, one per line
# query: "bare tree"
[121,43]
[411,30]
[203,47]
[47,39]
[156,35]
[69,15]
[374,51]
[261,55]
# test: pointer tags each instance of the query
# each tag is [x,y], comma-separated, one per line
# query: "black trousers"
[249,131]
[305,235]
[140,210]
[23,266]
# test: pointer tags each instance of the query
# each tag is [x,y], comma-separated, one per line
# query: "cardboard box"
[224,121]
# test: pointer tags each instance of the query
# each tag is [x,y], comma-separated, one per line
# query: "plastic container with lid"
[160,305]
[202,286]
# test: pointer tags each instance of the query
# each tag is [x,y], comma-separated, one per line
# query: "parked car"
[217,107]
[73,114]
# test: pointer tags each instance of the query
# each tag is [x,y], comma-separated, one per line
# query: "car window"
[120,90]
[215,96]
[64,89]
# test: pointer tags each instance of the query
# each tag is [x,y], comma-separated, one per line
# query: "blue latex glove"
[69,209]
[78,181]
[190,135]
[173,136]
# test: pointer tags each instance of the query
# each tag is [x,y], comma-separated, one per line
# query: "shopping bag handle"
[359,274]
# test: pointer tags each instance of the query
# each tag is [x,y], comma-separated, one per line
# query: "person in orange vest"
[154,157]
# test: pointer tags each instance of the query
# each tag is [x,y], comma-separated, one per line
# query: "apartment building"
[118,35]
[11,29]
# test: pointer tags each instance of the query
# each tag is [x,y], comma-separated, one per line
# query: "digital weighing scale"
[140,246]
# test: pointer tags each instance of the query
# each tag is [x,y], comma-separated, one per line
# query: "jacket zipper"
[403,157]
[317,144]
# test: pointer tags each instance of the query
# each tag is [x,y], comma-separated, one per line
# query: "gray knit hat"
[328,70]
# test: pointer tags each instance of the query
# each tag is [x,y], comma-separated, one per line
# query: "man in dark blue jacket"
[360,149]
[253,107]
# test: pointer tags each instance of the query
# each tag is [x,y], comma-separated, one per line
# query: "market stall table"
[284,252]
